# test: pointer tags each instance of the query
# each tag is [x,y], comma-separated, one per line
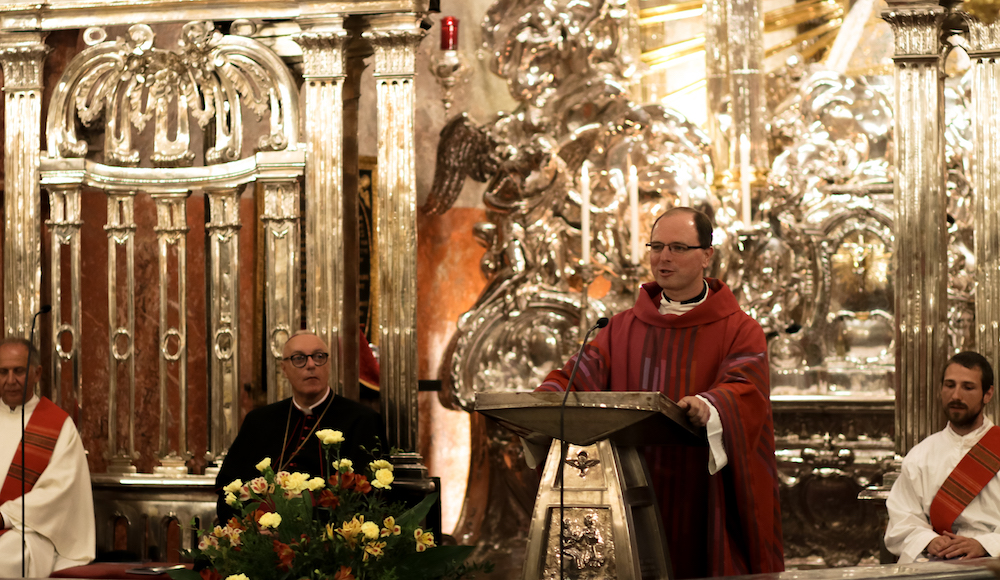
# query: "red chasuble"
[969,477]
[719,525]
[40,436]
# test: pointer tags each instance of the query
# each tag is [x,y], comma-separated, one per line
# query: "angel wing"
[464,150]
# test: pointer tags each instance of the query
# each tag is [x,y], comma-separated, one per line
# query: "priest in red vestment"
[687,337]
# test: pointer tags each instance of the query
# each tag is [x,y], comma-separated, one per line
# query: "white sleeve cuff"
[717,458]
[990,543]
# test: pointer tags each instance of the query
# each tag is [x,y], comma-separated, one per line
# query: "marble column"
[22,55]
[394,39]
[222,270]
[920,260]
[171,237]
[322,45]
[984,50]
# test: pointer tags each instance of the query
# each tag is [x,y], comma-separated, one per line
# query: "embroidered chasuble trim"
[40,436]
[969,477]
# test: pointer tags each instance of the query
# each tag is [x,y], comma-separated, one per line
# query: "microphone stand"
[24,401]
[563,446]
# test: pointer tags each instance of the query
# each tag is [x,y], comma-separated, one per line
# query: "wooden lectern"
[611,527]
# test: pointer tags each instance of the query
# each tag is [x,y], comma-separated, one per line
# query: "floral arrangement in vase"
[294,525]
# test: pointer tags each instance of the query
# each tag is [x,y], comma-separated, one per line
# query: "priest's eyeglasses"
[675,248]
[298,360]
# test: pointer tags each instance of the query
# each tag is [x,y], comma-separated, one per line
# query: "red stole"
[40,435]
[969,477]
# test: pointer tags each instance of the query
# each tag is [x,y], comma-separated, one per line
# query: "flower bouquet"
[293,526]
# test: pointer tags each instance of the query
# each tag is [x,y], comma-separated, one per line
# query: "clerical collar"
[668,306]
[309,410]
[32,403]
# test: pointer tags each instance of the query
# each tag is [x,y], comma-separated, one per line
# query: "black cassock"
[264,429]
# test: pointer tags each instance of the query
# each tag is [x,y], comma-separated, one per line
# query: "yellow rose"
[379,464]
[234,486]
[269,520]
[231,499]
[370,530]
[264,464]
[345,466]
[383,477]
[330,436]
[237,577]
[316,483]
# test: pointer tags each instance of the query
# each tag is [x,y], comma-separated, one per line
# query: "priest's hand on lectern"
[696,409]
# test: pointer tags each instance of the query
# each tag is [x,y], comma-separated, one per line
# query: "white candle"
[633,202]
[685,200]
[745,178]
[585,211]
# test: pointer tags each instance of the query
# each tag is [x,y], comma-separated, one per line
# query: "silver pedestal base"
[611,527]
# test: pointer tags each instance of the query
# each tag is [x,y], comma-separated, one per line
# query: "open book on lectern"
[630,418]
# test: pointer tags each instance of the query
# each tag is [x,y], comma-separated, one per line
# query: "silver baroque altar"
[823,264]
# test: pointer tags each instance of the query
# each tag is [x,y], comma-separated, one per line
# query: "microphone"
[45,309]
[563,446]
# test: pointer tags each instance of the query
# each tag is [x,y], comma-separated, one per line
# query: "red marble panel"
[448,280]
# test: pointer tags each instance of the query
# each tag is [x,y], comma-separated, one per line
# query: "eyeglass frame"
[675,248]
[306,357]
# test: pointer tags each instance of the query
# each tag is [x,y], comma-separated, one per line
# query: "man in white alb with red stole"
[58,525]
[946,502]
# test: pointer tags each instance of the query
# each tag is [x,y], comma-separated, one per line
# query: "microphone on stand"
[563,446]
[45,309]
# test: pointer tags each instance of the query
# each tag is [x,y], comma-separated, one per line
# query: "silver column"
[394,39]
[920,259]
[64,228]
[223,272]
[984,49]
[323,60]
[748,136]
[21,56]
[121,323]
[717,83]
[171,237]
[281,265]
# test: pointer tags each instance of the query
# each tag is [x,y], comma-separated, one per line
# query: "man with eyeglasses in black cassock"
[286,431]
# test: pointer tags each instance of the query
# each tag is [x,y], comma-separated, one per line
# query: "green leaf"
[184,574]
[435,562]
[417,513]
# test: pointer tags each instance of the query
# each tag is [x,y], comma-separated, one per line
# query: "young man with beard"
[946,502]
